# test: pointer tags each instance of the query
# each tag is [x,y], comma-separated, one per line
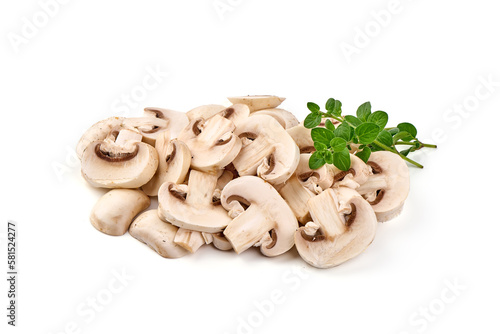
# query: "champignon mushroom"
[114,211]
[284,117]
[304,184]
[220,242]
[204,112]
[212,143]
[157,234]
[237,113]
[193,206]
[174,161]
[175,121]
[189,240]
[302,137]
[356,175]
[260,216]
[344,224]
[258,102]
[121,162]
[267,151]
[388,186]
[97,132]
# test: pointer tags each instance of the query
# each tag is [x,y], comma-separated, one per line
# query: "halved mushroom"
[193,206]
[97,132]
[157,234]
[212,143]
[352,178]
[304,184]
[344,224]
[175,121]
[302,137]
[258,102]
[267,151]
[119,162]
[205,111]
[114,211]
[388,186]
[260,217]
[174,161]
[284,117]
[237,113]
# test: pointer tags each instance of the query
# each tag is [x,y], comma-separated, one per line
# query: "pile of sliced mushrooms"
[235,177]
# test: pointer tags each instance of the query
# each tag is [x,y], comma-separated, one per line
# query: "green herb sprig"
[367,128]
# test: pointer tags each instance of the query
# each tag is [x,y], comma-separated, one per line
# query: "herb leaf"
[364,111]
[408,127]
[367,132]
[365,154]
[322,135]
[338,144]
[379,117]
[352,121]
[342,159]
[313,107]
[329,125]
[385,138]
[344,131]
[312,120]
[316,160]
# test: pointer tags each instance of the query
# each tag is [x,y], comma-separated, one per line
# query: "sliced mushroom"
[267,151]
[97,132]
[121,162]
[304,184]
[237,113]
[175,121]
[204,112]
[193,206]
[113,213]
[157,234]
[352,178]
[189,240]
[260,216]
[388,186]
[212,143]
[258,102]
[302,137]
[284,117]
[344,224]
[174,161]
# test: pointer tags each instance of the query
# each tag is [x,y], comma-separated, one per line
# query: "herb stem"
[412,144]
[387,148]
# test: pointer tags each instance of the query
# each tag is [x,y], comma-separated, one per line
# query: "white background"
[428,58]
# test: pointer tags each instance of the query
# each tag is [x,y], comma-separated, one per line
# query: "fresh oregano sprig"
[367,129]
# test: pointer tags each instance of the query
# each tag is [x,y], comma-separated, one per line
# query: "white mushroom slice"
[258,102]
[123,163]
[237,113]
[268,150]
[174,161]
[220,242]
[352,178]
[148,126]
[204,112]
[113,213]
[387,188]
[316,180]
[212,143]
[344,225]
[284,117]
[266,221]
[175,121]
[302,137]
[97,132]
[189,240]
[193,206]
[157,234]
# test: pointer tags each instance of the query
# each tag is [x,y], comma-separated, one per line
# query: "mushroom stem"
[323,211]
[201,190]
[375,182]
[248,228]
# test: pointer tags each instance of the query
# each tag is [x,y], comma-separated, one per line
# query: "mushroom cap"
[174,161]
[267,150]
[352,178]
[211,142]
[388,186]
[340,238]
[302,137]
[157,234]
[114,211]
[267,221]
[284,117]
[119,165]
[258,102]
[193,207]
[98,131]
[205,111]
